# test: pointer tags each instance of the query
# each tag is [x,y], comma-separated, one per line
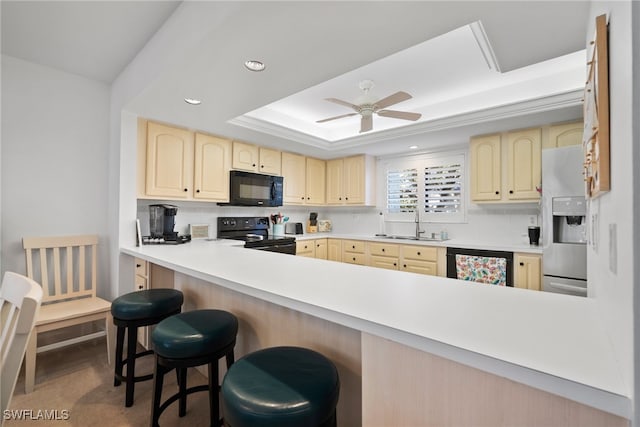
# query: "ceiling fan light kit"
[366,109]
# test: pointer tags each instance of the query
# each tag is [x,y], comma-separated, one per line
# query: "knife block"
[311,228]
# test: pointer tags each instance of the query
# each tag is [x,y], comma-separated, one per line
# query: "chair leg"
[214,403]
[230,359]
[119,350]
[30,362]
[158,377]
[108,329]
[132,342]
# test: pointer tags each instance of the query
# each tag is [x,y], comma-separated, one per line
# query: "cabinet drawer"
[384,249]
[354,258]
[388,262]
[141,267]
[420,267]
[141,283]
[353,246]
[306,248]
[420,253]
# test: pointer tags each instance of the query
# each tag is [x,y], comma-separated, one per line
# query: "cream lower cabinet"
[306,248]
[321,248]
[354,252]
[334,250]
[383,255]
[150,276]
[419,259]
[527,271]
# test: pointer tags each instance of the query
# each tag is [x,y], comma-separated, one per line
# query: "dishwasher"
[483,266]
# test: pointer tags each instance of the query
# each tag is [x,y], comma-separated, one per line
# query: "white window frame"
[420,162]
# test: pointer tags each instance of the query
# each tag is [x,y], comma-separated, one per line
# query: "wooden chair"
[66,268]
[20,299]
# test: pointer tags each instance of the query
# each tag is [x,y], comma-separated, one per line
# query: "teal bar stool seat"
[281,387]
[190,339]
[130,312]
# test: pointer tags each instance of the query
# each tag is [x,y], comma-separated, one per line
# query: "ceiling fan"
[367,107]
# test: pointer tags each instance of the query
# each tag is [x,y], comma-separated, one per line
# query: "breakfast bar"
[413,349]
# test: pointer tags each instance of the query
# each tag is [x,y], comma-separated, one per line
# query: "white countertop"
[452,243]
[549,341]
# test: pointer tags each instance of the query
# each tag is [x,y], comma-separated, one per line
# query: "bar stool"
[281,387]
[187,340]
[131,311]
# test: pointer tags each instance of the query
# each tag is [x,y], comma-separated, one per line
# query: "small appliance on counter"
[324,225]
[162,220]
[293,228]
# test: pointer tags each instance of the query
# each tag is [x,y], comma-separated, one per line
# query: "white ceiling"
[316,50]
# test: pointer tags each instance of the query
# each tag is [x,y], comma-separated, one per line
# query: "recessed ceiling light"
[192,101]
[254,65]
[413,147]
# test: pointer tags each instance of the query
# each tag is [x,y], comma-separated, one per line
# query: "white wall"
[55,135]
[611,278]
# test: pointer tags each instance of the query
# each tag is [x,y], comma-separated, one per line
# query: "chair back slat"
[67,267]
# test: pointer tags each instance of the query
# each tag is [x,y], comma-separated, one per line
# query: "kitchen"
[353,218]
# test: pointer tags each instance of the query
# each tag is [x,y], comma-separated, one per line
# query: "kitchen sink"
[421,239]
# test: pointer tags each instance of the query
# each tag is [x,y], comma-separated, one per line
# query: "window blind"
[443,188]
[402,190]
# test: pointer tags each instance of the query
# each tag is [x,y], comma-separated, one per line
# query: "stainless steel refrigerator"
[564,230]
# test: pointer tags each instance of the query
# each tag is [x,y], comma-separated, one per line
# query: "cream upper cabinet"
[304,180]
[524,164]
[528,270]
[169,162]
[351,181]
[315,181]
[486,168]
[245,156]
[212,162]
[564,135]
[270,161]
[506,167]
[294,173]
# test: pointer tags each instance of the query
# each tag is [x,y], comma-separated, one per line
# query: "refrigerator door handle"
[565,287]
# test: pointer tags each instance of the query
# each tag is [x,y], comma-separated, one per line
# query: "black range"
[254,231]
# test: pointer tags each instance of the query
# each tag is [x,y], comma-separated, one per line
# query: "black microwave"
[254,189]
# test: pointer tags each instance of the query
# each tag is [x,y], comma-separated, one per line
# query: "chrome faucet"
[418,231]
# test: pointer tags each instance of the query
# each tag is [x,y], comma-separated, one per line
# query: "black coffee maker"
[162,220]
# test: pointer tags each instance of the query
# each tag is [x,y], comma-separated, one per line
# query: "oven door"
[491,267]
[253,189]
[283,248]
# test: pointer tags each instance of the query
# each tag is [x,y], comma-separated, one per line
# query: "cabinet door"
[485,168]
[169,162]
[321,248]
[354,180]
[527,271]
[335,171]
[212,162]
[294,173]
[245,156]
[524,168]
[270,161]
[565,135]
[334,250]
[315,181]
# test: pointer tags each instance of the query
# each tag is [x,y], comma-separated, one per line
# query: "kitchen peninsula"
[413,349]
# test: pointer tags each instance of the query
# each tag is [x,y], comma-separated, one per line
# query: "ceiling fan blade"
[404,115]
[366,124]
[341,102]
[393,99]
[337,117]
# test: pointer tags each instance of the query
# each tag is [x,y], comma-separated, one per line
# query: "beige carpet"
[78,379]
